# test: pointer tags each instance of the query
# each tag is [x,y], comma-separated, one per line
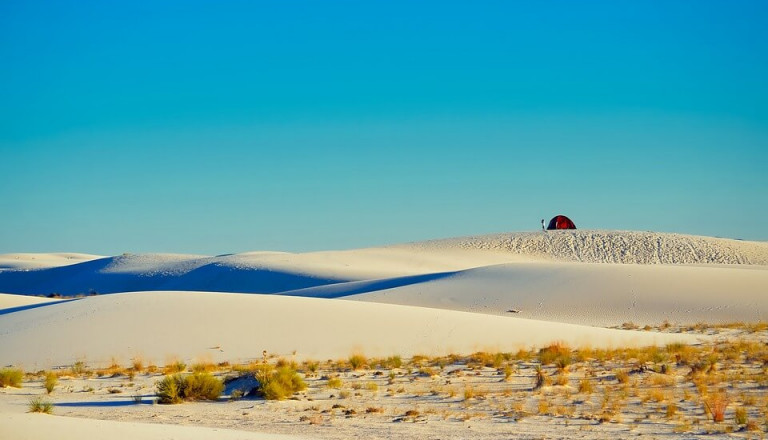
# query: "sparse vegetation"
[40,405]
[653,390]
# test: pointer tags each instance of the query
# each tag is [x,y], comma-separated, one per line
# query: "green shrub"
[11,377]
[50,381]
[38,404]
[278,383]
[168,389]
[197,386]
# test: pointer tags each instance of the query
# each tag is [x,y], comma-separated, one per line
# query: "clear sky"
[216,127]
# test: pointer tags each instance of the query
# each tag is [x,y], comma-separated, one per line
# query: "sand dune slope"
[601,246]
[219,326]
[277,272]
[36,426]
[591,294]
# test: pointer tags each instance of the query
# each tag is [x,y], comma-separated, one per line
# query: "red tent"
[560,222]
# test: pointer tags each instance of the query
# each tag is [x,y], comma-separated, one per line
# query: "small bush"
[197,386]
[334,382]
[357,361]
[741,416]
[557,354]
[394,362]
[11,377]
[39,405]
[50,381]
[279,383]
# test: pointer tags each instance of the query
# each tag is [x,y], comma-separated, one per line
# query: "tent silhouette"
[561,222]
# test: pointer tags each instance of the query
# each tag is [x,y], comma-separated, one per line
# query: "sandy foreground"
[501,293]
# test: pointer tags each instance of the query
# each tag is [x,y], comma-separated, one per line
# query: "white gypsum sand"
[494,293]
[159,326]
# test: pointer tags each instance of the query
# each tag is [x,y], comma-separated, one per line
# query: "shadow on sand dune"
[340,290]
[146,400]
[31,306]
[100,276]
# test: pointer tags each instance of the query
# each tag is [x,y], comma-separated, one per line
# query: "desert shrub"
[50,381]
[740,416]
[557,354]
[40,405]
[585,386]
[197,386]
[279,383]
[311,366]
[357,361]
[334,382]
[393,362]
[202,386]
[11,377]
[622,376]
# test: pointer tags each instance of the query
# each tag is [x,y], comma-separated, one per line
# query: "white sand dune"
[24,261]
[276,272]
[219,326]
[600,246]
[431,297]
[18,426]
[581,293]
[8,301]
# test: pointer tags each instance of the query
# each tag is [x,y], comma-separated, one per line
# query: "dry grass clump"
[203,367]
[715,405]
[393,362]
[483,359]
[11,377]
[175,367]
[358,361]
[50,381]
[40,405]
[586,387]
[334,382]
[557,354]
[310,367]
[196,386]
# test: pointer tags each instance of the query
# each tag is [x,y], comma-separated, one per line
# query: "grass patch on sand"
[11,377]
[178,388]
[40,405]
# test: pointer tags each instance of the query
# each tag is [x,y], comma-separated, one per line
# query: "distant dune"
[627,247]
[277,272]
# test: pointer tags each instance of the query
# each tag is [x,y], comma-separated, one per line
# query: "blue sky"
[214,127]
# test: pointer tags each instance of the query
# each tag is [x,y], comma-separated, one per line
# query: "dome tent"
[560,222]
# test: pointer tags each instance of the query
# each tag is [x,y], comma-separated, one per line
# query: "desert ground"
[563,334]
